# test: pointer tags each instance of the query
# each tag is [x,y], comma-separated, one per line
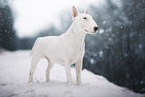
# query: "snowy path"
[14,69]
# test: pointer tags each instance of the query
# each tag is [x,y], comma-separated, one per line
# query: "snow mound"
[14,70]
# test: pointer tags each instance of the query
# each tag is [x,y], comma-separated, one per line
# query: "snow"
[101,31]
[14,70]
[101,53]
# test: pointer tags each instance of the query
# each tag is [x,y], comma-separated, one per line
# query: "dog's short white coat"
[67,49]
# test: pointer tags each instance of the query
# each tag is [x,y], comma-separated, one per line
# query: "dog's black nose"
[95,29]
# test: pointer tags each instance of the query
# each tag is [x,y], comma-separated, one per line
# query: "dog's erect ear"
[74,12]
[87,11]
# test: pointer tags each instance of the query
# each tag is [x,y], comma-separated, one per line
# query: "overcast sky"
[31,16]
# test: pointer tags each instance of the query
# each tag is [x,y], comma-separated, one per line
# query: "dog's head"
[84,21]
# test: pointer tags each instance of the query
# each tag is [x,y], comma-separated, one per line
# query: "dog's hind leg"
[34,61]
[50,65]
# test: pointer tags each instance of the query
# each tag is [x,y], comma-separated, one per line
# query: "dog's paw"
[78,83]
[70,83]
[29,81]
[47,80]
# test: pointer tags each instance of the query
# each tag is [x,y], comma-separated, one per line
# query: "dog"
[67,49]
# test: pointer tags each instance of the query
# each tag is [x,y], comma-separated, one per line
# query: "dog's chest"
[77,52]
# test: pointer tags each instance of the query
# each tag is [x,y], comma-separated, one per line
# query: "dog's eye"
[85,18]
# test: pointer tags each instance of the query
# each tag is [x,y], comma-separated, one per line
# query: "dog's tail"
[34,47]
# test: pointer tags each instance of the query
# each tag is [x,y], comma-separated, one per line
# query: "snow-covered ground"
[14,70]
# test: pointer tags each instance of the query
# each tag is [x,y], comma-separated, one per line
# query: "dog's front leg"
[78,66]
[68,73]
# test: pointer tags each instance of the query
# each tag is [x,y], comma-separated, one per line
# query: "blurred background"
[117,51]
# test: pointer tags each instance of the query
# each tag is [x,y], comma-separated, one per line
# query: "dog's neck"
[75,33]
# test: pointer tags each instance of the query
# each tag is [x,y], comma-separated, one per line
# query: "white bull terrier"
[67,49]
